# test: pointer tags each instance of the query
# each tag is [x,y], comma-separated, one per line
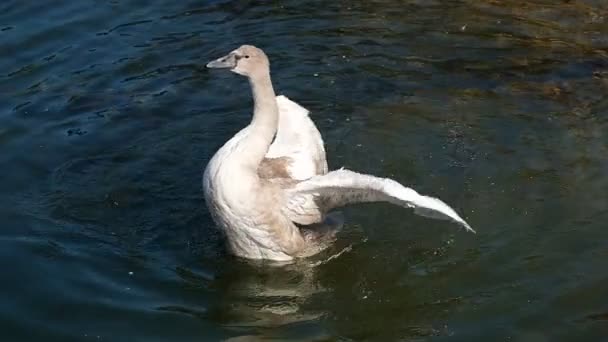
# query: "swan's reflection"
[271,301]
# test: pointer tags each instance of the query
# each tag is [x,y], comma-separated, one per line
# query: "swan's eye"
[246,56]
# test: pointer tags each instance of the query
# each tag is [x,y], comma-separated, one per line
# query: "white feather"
[299,139]
[311,199]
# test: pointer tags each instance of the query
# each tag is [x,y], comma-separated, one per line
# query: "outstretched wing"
[297,150]
[308,201]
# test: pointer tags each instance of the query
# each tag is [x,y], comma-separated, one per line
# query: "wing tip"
[468,228]
[287,105]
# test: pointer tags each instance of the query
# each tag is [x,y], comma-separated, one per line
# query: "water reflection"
[255,299]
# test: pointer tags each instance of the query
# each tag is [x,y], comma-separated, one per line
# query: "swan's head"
[247,60]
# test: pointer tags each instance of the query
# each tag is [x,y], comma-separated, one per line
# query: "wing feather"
[311,199]
[299,141]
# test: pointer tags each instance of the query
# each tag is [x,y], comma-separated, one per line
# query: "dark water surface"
[107,119]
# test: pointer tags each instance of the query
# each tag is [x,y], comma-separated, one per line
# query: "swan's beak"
[228,61]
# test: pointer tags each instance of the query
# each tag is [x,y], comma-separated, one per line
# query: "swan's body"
[268,188]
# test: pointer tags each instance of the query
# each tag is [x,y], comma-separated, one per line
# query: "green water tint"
[497,107]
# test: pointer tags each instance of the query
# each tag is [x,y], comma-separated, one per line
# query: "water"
[498,107]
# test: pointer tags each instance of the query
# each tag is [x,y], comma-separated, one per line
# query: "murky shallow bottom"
[496,107]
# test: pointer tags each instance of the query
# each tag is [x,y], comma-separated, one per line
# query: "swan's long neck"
[265,120]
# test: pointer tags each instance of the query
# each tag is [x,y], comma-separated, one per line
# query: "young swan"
[270,215]
[246,207]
